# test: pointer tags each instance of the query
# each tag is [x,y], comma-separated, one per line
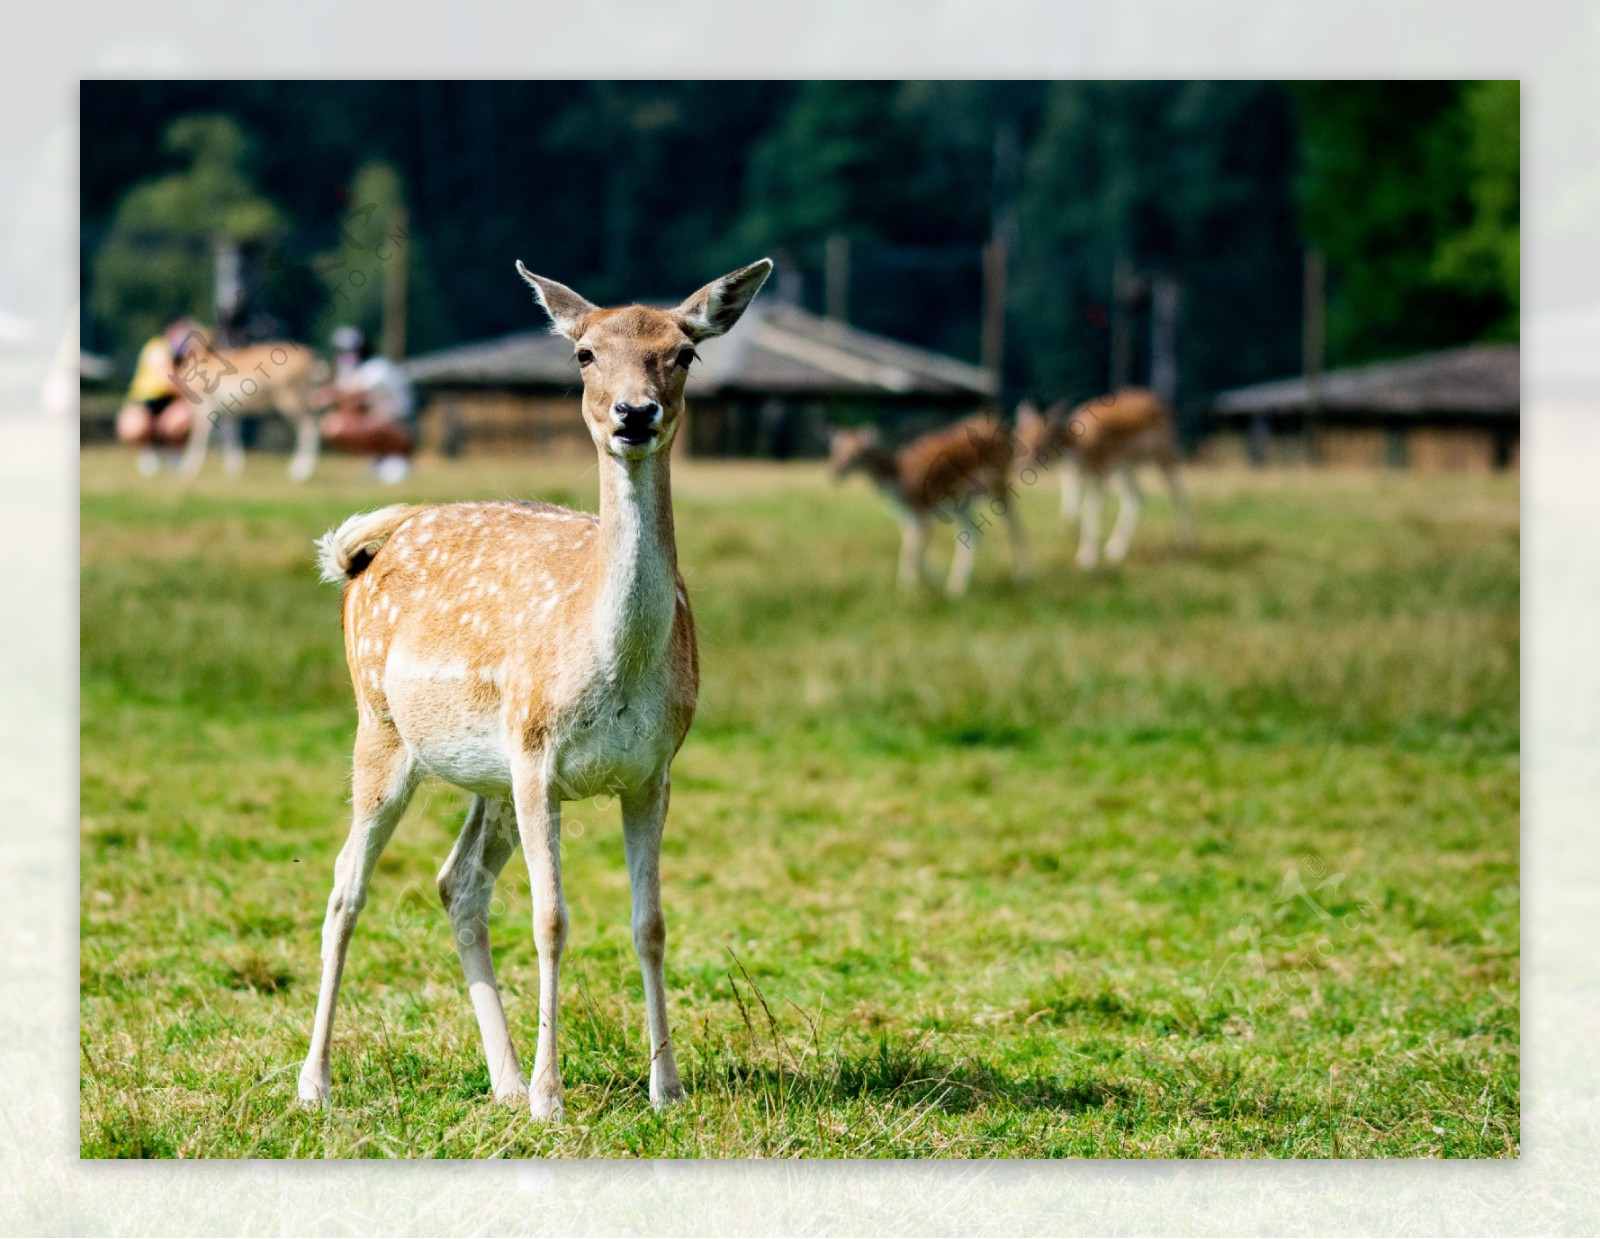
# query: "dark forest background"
[645,190]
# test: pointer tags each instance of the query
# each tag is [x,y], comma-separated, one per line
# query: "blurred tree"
[646,189]
[157,259]
[374,236]
[1165,175]
[1409,189]
[1485,258]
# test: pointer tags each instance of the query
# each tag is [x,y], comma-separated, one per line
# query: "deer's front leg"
[194,453]
[913,545]
[539,824]
[307,441]
[1094,499]
[644,815]
[1071,486]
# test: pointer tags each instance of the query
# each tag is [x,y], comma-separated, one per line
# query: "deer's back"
[1132,424]
[970,457]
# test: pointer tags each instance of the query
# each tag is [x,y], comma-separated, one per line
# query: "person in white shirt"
[374,410]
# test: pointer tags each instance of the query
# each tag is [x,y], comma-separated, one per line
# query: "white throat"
[636,595]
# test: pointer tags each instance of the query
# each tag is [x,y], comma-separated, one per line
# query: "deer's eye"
[585,357]
[685,356]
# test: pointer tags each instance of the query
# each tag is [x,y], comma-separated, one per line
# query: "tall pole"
[836,277]
[1123,296]
[228,288]
[1165,297]
[395,274]
[994,306]
[1312,344]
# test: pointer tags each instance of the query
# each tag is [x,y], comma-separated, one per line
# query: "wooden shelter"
[1453,411]
[768,389]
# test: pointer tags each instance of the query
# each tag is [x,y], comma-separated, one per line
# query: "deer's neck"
[635,576]
[884,470]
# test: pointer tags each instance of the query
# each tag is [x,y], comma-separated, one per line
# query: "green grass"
[1212,855]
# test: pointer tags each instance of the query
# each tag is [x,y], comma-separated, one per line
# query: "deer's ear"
[566,309]
[717,306]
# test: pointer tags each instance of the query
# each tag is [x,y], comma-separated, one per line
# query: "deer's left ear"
[717,306]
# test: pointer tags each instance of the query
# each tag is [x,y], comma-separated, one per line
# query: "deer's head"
[634,360]
[852,448]
[1036,433]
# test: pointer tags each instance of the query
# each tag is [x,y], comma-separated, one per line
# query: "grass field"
[1212,855]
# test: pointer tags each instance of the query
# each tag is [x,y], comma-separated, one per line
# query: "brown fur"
[942,473]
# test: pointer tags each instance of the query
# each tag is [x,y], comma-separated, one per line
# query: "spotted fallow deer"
[531,654]
[1109,436]
[943,473]
[226,383]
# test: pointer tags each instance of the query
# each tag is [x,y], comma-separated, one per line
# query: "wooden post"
[1311,344]
[395,273]
[1122,299]
[1165,296]
[228,288]
[994,306]
[836,277]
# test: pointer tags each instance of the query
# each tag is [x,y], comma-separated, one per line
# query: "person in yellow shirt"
[153,416]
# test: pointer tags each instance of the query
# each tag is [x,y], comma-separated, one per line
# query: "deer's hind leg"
[1188,536]
[385,777]
[466,884]
[307,439]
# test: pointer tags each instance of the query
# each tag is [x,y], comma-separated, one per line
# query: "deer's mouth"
[637,426]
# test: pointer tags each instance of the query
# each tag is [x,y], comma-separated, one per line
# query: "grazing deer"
[941,473]
[531,654]
[1112,435]
[225,383]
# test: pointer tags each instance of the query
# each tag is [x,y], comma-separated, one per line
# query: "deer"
[225,383]
[531,654]
[1111,436]
[941,473]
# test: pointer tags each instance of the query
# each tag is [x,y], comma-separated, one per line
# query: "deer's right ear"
[566,309]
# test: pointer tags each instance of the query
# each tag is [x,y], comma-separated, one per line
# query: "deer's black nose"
[636,423]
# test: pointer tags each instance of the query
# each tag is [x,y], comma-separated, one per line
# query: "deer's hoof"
[315,1092]
[513,1094]
[547,1107]
[664,1095]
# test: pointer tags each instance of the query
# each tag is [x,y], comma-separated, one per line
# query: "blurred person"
[374,411]
[153,417]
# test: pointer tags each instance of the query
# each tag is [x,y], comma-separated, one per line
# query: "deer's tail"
[344,553]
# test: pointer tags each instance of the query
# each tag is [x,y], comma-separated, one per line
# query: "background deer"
[532,654]
[943,473]
[1110,435]
[227,383]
